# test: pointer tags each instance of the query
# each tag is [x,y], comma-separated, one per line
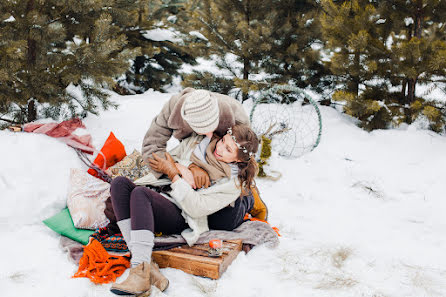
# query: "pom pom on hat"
[200,110]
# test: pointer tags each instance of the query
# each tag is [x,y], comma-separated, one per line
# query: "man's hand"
[201,177]
[186,174]
[166,166]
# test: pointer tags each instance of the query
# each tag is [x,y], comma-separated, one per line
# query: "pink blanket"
[63,131]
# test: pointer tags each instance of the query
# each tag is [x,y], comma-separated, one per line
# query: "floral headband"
[244,149]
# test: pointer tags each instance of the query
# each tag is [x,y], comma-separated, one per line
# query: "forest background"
[382,62]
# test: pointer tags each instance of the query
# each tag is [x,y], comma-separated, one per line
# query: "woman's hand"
[166,166]
[186,174]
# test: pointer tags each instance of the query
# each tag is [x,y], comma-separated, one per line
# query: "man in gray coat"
[192,110]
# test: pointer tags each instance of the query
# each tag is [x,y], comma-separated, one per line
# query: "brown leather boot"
[157,278]
[137,283]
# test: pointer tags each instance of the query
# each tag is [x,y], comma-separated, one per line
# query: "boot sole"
[125,293]
[122,293]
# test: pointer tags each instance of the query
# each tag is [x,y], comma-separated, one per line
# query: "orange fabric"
[259,209]
[113,150]
[248,217]
[99,266]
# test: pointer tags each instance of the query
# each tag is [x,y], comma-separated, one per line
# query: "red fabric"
[113,151]
[63,131]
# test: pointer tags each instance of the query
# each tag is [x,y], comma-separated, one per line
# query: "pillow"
[113,151]
[132,166]
[86,200]
[62,224]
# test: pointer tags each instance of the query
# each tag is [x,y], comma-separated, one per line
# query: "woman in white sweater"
[141,212]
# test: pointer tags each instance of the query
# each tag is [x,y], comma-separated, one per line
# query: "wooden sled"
[196,260]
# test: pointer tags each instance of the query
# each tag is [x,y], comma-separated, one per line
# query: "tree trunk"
[31,43]
[418,26]
[245,76]
[403,88]
[412,82]
[246,61]
[356,78]
[418,19]
[32,112]
[32,46]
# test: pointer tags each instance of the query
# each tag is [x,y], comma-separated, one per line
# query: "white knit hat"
[200,110]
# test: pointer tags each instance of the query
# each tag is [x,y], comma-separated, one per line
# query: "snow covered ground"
[362,215]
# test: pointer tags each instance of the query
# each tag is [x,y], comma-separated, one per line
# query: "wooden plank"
[206,259]
[202,249]
[231,255]
[195,252]
[188,265]
[196,260]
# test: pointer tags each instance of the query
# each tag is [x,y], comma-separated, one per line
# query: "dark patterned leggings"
[147,209]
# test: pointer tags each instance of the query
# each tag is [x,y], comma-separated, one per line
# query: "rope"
[101,173]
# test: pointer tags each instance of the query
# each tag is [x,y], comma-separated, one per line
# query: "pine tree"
[235,32]
[380,46]
[418,54]
[359,59]
[350,33]
[256,44]
[294,55]
[48,46]
[161,60]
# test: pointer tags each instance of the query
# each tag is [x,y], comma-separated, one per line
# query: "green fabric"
[63,224]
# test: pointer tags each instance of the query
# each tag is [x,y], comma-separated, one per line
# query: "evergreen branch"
[53,21]
[336,103]
[350,31]
[9,121]
[432,80]
[78,101]
[420,79]
[442,28]
[228,67]
[217,34]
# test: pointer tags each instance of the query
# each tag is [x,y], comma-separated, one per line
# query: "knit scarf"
[216,169]
[99,266]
